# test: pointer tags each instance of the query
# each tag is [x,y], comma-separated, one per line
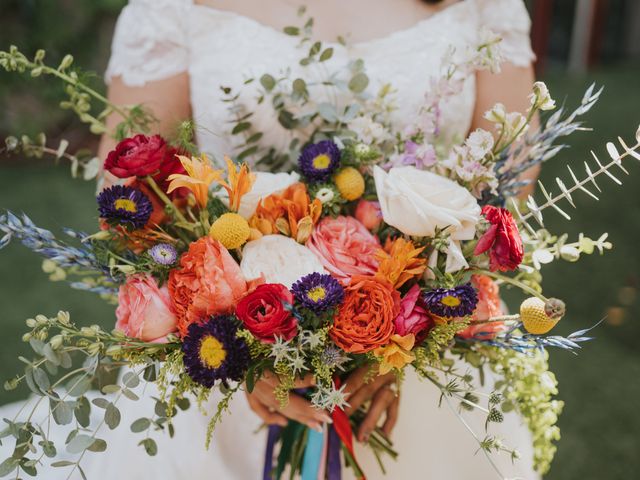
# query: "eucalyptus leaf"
[150,446]
[293,31]
[79,385]
[130,394]
[41,379]
[100,402]
[50,354]
[140,425]
[48,448]
[268,82]
[82,412]
[326,55]
[8,466]
[328,112]
[62,463]
[130,380]
[112,416]
[98,445]
[359,82]
[79,443]
[62,411]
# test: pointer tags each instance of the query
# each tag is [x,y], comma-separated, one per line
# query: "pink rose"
[345,247]
[369,214]
[144,310]
[489,306]
[413,317]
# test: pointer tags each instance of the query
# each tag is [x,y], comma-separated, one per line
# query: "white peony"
[266,184]
[418,202]
[278,259]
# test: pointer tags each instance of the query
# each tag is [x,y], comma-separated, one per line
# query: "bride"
[172,56]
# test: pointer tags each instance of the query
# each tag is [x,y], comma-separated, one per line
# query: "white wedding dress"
[156,39]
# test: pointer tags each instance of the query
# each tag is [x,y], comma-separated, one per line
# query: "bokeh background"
[577,42]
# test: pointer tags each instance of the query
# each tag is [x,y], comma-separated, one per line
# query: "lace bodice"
[156,39]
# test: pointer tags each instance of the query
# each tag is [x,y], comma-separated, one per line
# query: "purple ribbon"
[333,456]
[272,437]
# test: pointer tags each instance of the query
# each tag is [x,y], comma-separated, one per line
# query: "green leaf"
[130,394]
[268,82]
[287,120]
[150,446]
[326,55]
[111,389]
[299,86]
[98,445]
[247,153]
[37,345]
[62,463]
[79,385]
[254,138]
[50,354]
[48,448]
[293,31]
[160,408]
[41,379]
[315,48]
[140,425]
[62,411]
[150,374]
[100,402]
[241,127]
[328,112]
[82,412]
[130,380]
[8,466]
[183,403]
[358,83]
[79,443]
[112,416]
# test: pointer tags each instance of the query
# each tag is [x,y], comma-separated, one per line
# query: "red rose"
[502,239]
[265,313]
[138,156]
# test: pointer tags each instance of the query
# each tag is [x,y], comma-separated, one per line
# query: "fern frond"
[566,193]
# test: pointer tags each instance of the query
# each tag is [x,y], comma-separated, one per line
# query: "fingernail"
[365,437]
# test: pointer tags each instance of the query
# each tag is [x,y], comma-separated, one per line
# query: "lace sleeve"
[149,42]
[509,19]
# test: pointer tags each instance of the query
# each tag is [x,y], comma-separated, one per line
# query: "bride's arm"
[167,99]
[511,87]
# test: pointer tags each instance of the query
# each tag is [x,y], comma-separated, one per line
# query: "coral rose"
[345,247]
[369,214]
[266,313]
[413,317]
[138,156]
[489,305]
[209,282]
[502,240]
[144,310]
[364,321]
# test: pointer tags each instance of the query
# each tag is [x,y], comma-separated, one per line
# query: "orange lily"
[400,261]
[200,175]
[397,353]
[239,183]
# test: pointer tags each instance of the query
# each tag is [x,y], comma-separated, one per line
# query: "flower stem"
[516,283]
[177,214]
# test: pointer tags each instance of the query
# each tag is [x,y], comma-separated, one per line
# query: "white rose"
[278,259]
[266,184]
[418,202]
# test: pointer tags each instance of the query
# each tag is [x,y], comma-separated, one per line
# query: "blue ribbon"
[312,455]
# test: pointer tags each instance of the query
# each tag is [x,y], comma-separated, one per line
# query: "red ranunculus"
[502,240]
[264,312]
[138,156]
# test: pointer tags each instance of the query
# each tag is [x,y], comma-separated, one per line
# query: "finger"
[366,392]
[355,381]
[268,416]
[392,417]
[303,412]
[381,401]
[272,379]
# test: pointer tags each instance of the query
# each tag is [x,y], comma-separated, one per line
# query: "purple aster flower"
[452,302]
[212,352]
[318,292]
[120,205]
[163,254]
[318,161]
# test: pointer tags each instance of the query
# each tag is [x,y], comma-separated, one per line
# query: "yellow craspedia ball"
[535,318]
[350,183]
[231,230]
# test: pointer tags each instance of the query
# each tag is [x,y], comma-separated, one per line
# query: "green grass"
[600,387]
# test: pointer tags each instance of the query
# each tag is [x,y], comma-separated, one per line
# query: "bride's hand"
[384,399]
[263,402]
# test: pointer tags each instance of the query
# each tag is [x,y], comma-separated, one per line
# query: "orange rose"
[365,319]
[209,282]
[489,305]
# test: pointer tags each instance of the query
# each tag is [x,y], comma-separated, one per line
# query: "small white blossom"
[498,114]
[541,98]
[325,195]
[367,130]
[329,398]
[480,143]
[311,339]
[281,350]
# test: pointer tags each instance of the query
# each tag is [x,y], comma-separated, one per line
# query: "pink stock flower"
[144,310]
[345,247]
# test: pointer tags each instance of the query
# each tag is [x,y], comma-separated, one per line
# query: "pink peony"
[413,317]
[345,247]
[369,214]
[144,310]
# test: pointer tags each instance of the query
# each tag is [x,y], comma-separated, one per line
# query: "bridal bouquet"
[364,246]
